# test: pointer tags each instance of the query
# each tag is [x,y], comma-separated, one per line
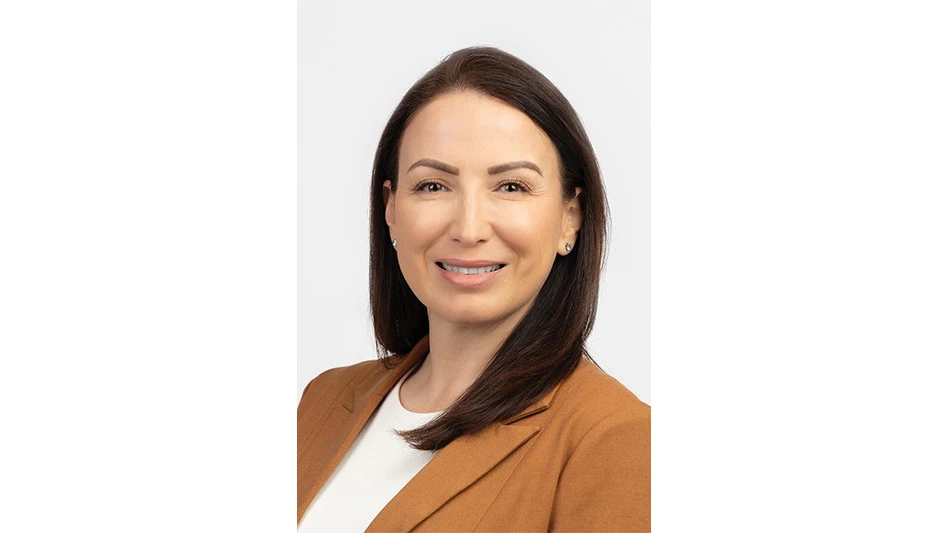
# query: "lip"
[469,281]
[468,264]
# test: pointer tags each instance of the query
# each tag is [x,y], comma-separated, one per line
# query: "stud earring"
[394,243]
[568,247]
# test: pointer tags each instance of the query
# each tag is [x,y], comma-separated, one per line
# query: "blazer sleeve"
[606,482]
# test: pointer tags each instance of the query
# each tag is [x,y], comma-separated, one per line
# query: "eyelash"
[523,186]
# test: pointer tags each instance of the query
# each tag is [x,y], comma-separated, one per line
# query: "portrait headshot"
[462,231]
[473,346]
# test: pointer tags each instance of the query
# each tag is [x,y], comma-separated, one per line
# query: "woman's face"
[478,184]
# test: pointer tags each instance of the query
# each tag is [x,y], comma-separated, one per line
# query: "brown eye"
[513,186]
[427,186]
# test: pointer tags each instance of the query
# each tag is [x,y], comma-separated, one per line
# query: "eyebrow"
[496,169]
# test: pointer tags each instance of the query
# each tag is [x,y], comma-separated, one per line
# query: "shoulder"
[591,391]
[603,431]
[330,383]
[591,402]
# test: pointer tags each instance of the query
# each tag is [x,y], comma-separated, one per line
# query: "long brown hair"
[549,342]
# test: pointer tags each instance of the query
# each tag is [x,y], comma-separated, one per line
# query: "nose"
[471,223]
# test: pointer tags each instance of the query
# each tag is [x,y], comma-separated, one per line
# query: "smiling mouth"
[463,270]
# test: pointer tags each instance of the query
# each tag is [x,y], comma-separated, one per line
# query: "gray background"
[357,59]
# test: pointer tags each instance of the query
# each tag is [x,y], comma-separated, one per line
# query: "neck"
[457,354]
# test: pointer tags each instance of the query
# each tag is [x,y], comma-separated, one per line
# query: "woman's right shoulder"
[333,381]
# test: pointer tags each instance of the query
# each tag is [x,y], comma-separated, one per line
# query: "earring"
[394,243]
[568,247]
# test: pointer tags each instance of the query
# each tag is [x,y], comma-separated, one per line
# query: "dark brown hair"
[549,342]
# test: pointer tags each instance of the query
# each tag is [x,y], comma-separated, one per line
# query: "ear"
[572,221]
[388,196]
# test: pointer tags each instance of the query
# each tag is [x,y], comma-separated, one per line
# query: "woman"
[488,231]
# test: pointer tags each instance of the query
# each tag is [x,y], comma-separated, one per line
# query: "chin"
[472,318]
[473,314]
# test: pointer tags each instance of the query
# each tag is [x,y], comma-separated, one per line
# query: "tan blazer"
[578,459]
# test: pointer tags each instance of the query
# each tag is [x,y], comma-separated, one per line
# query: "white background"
[148,266]
[354,67]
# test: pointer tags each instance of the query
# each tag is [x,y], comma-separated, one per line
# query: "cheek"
[419,229]
[532,233]
[414,223]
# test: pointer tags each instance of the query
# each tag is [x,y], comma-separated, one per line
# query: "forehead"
[473,130]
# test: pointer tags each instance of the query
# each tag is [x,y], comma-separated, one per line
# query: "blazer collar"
[454,467]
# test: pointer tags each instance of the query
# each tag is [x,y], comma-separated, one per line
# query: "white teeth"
[462,270]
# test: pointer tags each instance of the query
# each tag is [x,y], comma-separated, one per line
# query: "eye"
[429,186]
[514,186]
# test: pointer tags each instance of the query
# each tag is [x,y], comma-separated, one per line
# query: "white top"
[373,470]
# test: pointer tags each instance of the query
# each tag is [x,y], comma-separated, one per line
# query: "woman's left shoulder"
[591,392]
[603,433]
[593,414]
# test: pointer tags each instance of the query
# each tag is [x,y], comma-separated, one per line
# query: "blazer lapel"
[325,447]
[454,468]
